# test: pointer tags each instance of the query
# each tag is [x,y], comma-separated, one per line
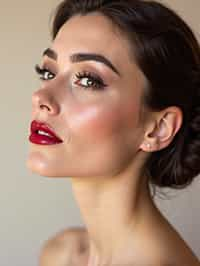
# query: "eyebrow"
[80,57]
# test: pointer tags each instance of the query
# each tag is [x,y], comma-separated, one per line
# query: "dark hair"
[168,54]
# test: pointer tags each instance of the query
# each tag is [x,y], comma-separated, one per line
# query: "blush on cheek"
[95,123]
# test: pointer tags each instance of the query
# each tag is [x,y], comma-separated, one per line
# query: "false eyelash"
[42,71]
[99,84]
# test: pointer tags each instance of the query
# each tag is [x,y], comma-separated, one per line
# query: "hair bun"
[191,151]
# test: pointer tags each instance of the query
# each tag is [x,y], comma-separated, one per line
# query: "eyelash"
[41,71]
[98,83]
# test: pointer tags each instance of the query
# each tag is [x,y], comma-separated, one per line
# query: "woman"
[118,110]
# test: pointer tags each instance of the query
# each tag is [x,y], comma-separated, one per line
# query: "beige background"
[32,208]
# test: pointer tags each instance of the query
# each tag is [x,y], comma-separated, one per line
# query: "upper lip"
[36,125]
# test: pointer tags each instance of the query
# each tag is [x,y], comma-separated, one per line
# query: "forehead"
[92,33]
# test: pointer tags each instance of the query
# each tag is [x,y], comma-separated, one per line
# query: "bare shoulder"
[182,253]
[171,246]
[67,247]
[177,253]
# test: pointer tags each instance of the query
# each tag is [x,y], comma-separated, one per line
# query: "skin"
[105,137]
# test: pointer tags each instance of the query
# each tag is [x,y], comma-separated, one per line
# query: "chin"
[41,169]
[40,164]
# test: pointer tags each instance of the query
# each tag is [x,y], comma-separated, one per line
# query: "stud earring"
[164,120]
[148,145]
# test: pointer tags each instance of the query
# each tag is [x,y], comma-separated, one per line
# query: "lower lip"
[43,140]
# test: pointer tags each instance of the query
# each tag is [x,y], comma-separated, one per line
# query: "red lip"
[40,139]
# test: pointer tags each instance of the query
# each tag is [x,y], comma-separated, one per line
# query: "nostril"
[42,106]
[43,101]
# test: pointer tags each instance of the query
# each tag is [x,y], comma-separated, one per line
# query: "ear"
[162,129]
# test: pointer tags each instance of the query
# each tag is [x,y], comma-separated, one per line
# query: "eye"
[90,80]
[44,73]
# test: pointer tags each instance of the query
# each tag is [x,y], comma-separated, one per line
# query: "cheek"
[94,122]
[103,121]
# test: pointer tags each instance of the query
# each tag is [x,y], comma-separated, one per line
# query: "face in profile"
[91,96]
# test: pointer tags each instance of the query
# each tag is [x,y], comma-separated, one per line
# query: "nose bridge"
[44,99]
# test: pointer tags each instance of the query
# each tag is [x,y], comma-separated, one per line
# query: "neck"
[112,209]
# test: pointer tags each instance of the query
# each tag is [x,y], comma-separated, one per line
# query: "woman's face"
[100,125]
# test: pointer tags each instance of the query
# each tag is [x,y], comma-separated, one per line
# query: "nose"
[44,101]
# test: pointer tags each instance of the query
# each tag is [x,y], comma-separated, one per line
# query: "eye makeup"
[84,79]
[92,79]
[44,73]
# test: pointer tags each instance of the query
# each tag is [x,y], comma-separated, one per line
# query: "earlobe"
[152,137]
[149,139]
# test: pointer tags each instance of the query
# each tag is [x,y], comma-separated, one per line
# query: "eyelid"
[50,66]
[53,69]
[41,70]
[91,75]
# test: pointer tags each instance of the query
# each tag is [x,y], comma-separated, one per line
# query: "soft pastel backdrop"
[33,208]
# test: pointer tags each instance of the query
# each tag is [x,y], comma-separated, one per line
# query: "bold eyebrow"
[50,53]
[79,57]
